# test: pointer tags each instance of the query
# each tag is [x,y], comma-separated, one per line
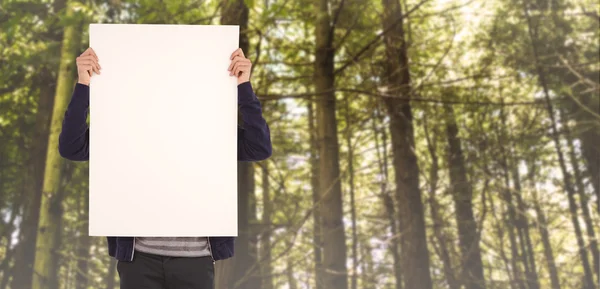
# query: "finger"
[244,64]
[240,62]
[88,62]
[92,66]
[87,58]
[88,52]
[236,60]
[239,66]
[237,52]
[240,70]
[94,53]
[86,67]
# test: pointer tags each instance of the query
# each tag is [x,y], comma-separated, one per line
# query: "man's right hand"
[87,64]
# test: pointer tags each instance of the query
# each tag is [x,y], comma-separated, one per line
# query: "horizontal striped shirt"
[173,246]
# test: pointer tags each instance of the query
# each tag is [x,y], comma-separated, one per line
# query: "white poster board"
[163,131]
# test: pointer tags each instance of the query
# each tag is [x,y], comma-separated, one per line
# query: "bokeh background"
[418,144]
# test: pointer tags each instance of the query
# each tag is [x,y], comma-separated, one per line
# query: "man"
[161,263]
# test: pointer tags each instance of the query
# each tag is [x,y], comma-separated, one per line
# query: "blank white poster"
[163,131]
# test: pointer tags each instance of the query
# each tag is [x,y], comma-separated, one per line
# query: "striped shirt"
[173,246]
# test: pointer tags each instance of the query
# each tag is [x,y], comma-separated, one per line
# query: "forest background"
[417,144]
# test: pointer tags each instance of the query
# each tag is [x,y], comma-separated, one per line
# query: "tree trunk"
[368,272]
[255,280]
[500,225]
[524,236]
[235,12]
[584,102]
[588,132]
[224,273]
[591,153]
[266,262]
[520,219]
[543,227]
[584,106]
[290,274]
[350,159]
[443,240]
[47,258]
[314,181]
[83,251]
[110,276]
[8,230]
[246,269]
[583,198]
[334,240]
[462,192]
[388,201]
[438,220]
[511,224]
[25,256]
[588,278]
[415,255]
[511,216]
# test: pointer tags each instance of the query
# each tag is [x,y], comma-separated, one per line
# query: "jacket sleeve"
[254,138]
[74,139]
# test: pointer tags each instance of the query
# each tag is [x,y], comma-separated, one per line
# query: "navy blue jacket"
[254,144]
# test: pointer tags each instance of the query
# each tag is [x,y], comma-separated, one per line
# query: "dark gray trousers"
[149,271]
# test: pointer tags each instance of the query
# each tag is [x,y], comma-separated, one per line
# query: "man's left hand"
[240,66]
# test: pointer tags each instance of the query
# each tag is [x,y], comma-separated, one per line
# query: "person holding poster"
[167,262]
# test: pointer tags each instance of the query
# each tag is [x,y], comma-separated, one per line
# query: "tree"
[542,224]
[46,81]
[351,184]
[332,228]
[439,225]
[25,255]
[265,241]
[583,198]
[235,12]
[568,185]
[462,192]
[415,255]
[511,221]
[386,196]
[47,257]
[314,182]
[83,241]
